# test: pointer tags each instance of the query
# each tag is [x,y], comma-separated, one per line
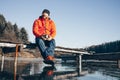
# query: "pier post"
[20,47]
[118,63]
[2,65]
[79,64]
[15,62]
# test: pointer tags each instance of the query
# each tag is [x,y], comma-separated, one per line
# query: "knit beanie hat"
[46,11]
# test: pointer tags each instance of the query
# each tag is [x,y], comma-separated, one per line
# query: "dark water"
[35,69]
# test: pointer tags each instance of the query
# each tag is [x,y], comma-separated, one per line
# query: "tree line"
[108,47]
[11,32]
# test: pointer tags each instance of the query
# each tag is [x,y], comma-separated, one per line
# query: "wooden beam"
[2,64]
[7,45]
[80,63]
[11,45]
[118,63]
[71,51]
[15,62]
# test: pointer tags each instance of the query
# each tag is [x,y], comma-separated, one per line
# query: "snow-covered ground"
[9,45]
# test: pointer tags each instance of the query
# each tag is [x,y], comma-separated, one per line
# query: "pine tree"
[12,33]
[2,24]
[23,35]
[17,32]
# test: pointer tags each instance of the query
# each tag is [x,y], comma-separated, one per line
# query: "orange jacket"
[44,26]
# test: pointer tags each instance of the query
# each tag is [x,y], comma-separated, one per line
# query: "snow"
[10,45]
[71,51]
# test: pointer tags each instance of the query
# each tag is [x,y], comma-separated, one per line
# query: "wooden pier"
[114,56]
[77,58]
[75,52]
[77,55]
[15,47]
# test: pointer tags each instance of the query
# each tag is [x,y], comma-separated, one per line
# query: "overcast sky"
[79,23]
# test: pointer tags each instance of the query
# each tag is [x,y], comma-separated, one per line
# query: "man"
[44,30]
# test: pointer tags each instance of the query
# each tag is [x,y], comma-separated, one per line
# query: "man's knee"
[53,42]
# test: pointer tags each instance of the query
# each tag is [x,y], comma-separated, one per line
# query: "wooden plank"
[11,45]
[71,51]
[80,63]
[115,56]
[15,62]
[118,63]
[7,45]
[2,64]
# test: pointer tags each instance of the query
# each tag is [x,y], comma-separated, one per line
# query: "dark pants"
[46,47]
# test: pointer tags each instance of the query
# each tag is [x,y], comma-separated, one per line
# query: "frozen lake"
[35,69]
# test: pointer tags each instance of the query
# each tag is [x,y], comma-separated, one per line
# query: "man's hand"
[49,38]
[43,38]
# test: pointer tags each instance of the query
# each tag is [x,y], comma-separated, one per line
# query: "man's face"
[45,15]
